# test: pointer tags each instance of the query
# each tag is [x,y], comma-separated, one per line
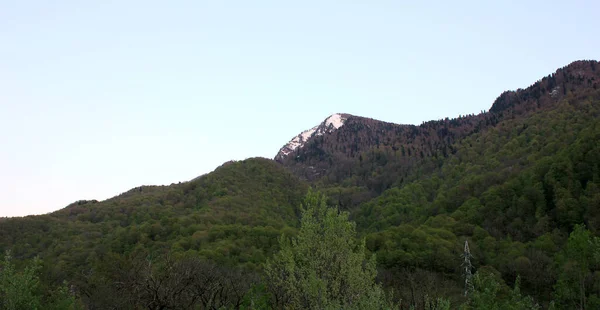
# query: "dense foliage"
[324,267]
[520,183]
[515,191]
[371,156]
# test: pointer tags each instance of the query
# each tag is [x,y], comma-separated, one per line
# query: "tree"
[18,289]
[324,267]
[437,304]
[21,289]
[576,270]
[488,291]
[164,282]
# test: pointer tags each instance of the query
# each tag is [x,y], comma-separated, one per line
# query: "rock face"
[329,125]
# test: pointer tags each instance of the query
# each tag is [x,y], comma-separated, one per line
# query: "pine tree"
[324,267]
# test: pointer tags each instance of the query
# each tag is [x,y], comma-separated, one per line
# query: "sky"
[98,97]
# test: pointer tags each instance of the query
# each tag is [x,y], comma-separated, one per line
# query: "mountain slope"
[234,214]
[513,182]
[372,156]
[514,191]
[330,124]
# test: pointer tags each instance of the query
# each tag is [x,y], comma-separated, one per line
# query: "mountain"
[517,182]
[233,214]
[373,156]
[329,125]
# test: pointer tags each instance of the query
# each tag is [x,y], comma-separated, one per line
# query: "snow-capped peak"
[337,120]
[329,125]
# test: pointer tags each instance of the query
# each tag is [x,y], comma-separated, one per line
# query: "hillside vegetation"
[519,183]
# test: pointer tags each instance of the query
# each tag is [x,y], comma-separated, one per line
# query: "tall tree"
[324,267]
[576,269]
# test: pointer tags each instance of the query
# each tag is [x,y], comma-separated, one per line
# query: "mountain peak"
[330,124]
[577,75]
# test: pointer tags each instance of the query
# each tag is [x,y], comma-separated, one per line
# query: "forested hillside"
[371,156]
[232,216]
[515,192]
[520,183]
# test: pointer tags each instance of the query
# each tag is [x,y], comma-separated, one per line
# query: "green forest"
[499,210]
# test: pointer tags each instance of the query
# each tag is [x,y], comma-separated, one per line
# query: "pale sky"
[97,97]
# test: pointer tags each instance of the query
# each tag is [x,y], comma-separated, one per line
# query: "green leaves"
[324,267]
[18,290]
[576,266]
[21,289]
[488,292]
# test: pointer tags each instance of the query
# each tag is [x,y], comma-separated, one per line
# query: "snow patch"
[333,122]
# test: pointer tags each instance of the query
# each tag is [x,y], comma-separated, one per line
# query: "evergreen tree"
[324,267]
